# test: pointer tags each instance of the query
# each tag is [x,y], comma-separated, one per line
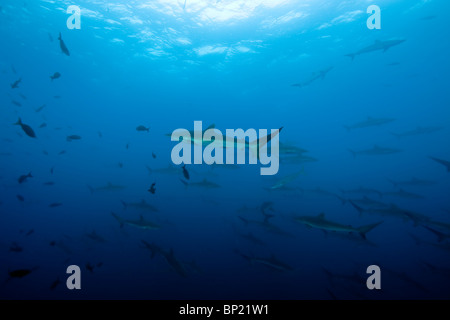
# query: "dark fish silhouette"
[55,284]
[15,84]
[142,128]
[29,232]
[48,183]
[43,125]
[55,204]
[20,198]
[16,103]
[40,108]
[19,273]
[56,75]
[445,163]
[26,128]
[73,137]
[153,155]
[185,172]
[63,45]
[90,267]
[24,177]
[152,188]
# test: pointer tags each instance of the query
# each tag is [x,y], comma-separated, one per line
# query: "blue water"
[166,64]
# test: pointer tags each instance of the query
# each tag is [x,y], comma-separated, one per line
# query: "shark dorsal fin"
[321,215]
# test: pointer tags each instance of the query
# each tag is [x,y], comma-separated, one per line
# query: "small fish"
[90,267]
[62,152]
[55,204]
[43,125]
[51,169]
[63,46]
[30,232]
[56,75]
[142,128]
[120,164]
[39,109]
[127,146]
[24,97]
[19,273]
[153,155]
[57,97]
[55,284]
[48,183]
[152,189]
[16,103]
[73,137]
[26,128]
[99,134]
[20,198]
[185,172]
[24,177]
[15,84]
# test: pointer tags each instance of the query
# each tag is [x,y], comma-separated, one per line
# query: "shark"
[283,181]
[417,131]
[375,151]
[404,194]
[314,76]
[392,210]
[297,159]
[445,163]
[413,182]
[285,149]
[272,262]
[108,187]
[193,136]
[266,224]
[142,205]
[378,45]
[440,245]
[95,237]
[168,256]
[369,122]
[141,223]
[319,222]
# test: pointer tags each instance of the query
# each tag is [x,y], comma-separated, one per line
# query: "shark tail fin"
[353,153]
[19,122]
[119,219]
[360,210]
[186,184]
[125,205]
[59,36]
[364,229]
